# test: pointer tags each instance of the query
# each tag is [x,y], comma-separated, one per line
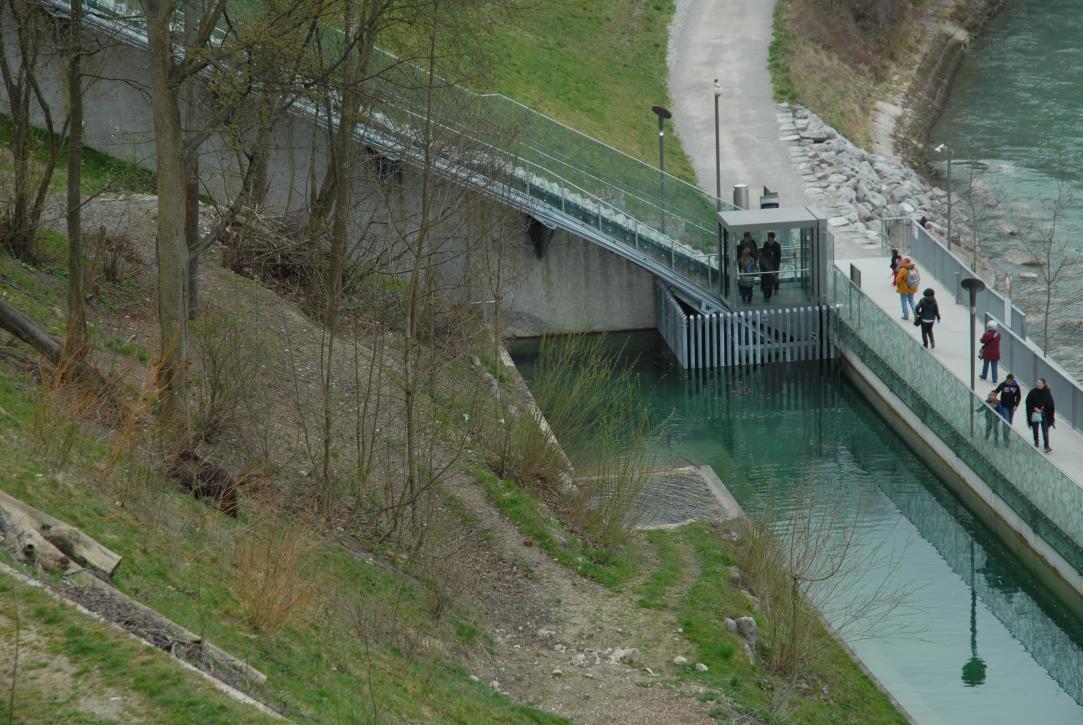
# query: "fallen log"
[33,335]
[163,632]
[52,541]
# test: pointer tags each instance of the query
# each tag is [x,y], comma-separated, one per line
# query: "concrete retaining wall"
[577,286]
[1050,568]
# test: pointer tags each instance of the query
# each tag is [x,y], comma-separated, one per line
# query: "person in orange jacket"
[907,281]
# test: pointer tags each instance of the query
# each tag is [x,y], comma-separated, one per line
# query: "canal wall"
[570,285]
[1042,560]
[923,99]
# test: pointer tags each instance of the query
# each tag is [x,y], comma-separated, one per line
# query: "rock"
[557,673]
[1027,276]
[546,634]
[746,627]
[494,686]
[734,574]
[559,647]
[700,667]
[629,656]
[579,660]
[475,678]
[680,661]
[752,599]
[649,671]
[837,179]
[729,624]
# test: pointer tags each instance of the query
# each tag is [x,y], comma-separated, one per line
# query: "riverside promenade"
[953,352]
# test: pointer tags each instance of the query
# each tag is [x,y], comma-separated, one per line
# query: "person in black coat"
[771,261]
[1010,397]
[1040,411]
[927,312]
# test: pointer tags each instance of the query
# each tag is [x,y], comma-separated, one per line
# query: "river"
[1016,107]
[766,430]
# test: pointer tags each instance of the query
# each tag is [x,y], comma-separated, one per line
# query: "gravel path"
[728,40]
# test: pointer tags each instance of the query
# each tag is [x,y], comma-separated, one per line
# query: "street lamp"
[662,113]
[951,157]
[974,669]
[717,150]
[974,286]
[718,170]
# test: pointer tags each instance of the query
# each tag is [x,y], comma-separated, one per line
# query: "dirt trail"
[551,641]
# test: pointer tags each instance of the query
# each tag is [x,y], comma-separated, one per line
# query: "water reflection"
[974,669]
[767,431]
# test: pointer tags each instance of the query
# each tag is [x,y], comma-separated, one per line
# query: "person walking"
[770,263]
[925,314]
[749,244]
[746,276]
[994,420]
[990,350]
[1010,397]
[1040,411]
[907,280]
[896,258]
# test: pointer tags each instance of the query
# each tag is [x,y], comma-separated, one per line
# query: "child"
[895,259]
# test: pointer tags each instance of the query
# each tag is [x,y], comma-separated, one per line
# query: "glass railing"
[1042,494]
[489,139]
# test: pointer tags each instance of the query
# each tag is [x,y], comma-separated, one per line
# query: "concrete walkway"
[728,40]
[953,351]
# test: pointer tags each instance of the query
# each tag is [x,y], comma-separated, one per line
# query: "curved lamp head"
[717,88]
[661,112]
[941,148]
[974,672]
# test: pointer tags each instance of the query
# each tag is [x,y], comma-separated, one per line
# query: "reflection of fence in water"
[1052,638]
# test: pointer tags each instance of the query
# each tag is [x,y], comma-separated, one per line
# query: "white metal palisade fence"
[746,338]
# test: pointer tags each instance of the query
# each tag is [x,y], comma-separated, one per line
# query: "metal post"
[950,159]
[718,165]
[662,113]
[717,150]
[974,286]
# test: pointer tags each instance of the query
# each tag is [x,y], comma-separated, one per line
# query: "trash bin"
[740,196]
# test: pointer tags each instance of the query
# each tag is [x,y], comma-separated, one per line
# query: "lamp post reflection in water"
[974,669]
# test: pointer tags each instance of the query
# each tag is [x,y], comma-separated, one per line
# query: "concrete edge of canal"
[1042,560]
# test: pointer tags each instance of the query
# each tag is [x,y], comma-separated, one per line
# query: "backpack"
[913,279]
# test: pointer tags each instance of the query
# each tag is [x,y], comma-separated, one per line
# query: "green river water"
[1016,108]
[766,430]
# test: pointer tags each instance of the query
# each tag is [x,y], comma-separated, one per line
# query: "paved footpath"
[953,351]
[728,40]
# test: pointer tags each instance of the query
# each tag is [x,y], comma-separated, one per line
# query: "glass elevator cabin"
[783,255]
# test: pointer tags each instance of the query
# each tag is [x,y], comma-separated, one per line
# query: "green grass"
[852,697]
[780,56]
[178,560]
[518,505]
[59,643]
[666,573]
[598,66]
[99,171]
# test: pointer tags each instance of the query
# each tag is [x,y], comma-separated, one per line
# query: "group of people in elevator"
[1002,402]
[758,263]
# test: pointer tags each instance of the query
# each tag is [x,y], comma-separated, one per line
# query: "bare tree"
[19,72]
[75,340]
[1048,245]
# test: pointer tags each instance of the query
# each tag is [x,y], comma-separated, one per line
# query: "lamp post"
[717,150]
[942,148]
[662,113]
[718,171]
[974,668]
[974,286]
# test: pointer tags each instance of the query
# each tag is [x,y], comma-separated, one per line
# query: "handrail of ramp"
[1030,483]
[551,171]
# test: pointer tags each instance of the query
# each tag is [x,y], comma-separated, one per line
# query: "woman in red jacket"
[990,350]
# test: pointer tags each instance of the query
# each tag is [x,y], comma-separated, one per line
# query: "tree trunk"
[172,246]
[29,332]
[75,341]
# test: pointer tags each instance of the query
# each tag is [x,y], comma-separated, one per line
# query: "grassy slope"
[76,670]
[178,559]
[820,77]
[598,66]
